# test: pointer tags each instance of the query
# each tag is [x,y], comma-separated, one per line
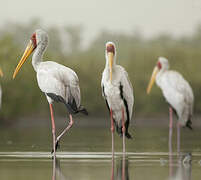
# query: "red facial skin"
[110,48]
[33,38]
[159,65]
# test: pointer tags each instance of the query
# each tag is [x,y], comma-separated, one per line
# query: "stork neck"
[159,76]
[162,71]
[38,55]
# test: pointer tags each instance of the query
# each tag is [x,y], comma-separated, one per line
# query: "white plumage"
[117,92]
[59,80]
[176,90]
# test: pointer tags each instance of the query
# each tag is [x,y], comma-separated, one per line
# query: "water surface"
[85,154]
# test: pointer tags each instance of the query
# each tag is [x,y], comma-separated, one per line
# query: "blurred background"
[78,31]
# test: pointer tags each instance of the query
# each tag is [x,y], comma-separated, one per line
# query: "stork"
[177,92]
[117,91]
[58,82]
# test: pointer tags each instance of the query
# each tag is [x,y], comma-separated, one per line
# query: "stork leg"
[123,167]
[123,131]
[112,170]
[170,128]
[54,169]
[170,142]
[64,131]
[53,131]
[178,138]
[112,132]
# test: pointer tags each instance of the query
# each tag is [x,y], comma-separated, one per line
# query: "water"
[85,154]
[88,166]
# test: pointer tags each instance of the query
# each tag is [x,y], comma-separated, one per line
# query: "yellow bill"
[110,58]
[1,72]
[152,80]
[27,52]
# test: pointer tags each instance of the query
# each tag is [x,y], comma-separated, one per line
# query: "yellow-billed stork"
[177,92]
[58,82]
[117,91]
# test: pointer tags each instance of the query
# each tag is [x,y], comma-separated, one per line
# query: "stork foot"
[57,146]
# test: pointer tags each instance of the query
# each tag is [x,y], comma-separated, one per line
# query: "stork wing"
[127,90]
[60,80]
[176,81]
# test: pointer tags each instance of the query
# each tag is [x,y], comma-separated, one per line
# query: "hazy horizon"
[176,17]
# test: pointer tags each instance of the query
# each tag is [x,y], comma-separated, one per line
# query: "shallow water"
[88,166]
[85,154]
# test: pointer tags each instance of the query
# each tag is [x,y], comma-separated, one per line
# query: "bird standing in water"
[117,91]
[177,92]
[58,82]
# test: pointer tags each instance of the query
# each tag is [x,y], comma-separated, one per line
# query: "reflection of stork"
[184,169]
[118,94]
[177,93]
[59,83]
[122,172]
[56,171]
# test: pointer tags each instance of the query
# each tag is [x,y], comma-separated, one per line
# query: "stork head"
[161,65]
[37,38]
[110,53]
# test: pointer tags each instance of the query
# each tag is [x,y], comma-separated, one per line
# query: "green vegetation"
[22,97]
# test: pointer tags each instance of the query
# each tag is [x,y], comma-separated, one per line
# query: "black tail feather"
[119,131]
[188,124]
[83,110]
[128,135]
[71,105]
[56,98]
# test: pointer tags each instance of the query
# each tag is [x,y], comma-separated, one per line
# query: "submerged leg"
[170,128]
[178,138]
[54,169]
[64,131]
[170,142]
[123,167]
[123,131]
[112,169]
[112,131]
[53,130]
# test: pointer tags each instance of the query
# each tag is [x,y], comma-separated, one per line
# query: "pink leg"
[53,131]
[112,131]
[178,138]
[170,128]
[123,131]
[170,142]
[64,131]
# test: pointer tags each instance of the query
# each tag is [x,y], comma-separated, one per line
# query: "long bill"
[110,58]
[152,80]
[29,49]
[1,72]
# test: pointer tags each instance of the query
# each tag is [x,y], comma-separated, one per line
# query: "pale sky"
[151,17]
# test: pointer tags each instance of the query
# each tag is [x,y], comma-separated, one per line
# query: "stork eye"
[33,38]
[159,65]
